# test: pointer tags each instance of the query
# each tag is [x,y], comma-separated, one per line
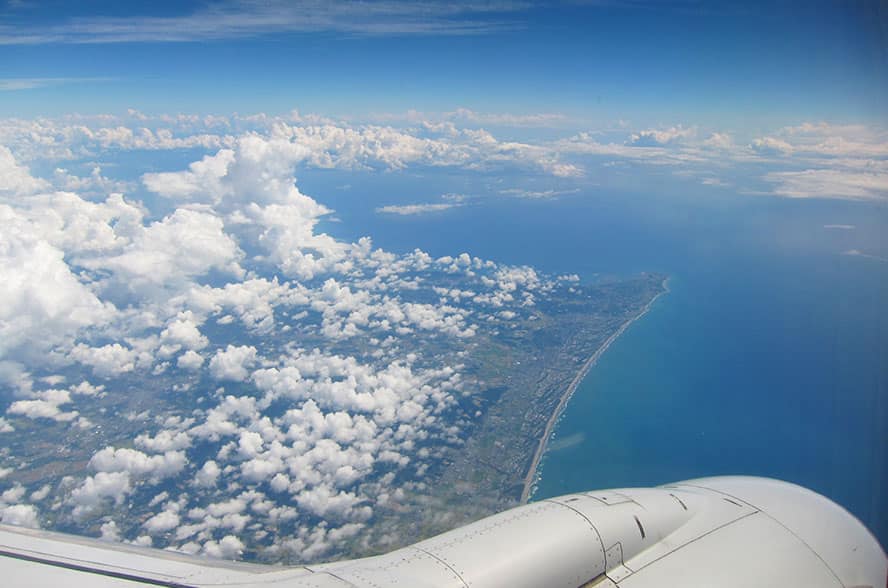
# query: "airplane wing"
[730,532]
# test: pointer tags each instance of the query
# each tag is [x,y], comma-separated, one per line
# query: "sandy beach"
[531,477]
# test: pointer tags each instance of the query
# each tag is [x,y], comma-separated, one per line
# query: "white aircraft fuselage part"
[726,532]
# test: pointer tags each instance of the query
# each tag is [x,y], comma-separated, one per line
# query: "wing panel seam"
[443,563]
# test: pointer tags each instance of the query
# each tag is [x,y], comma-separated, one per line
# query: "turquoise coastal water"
[768,357]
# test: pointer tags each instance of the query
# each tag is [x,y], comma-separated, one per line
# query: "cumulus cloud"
[254,185]
[94,183]
[44,302]
[183,333]
[109,532]
[20,515]
[138,464]
[162,522]
[95,490]
[164,441]
[229,547]
[771,146]
[720,141]
[233,362]
[252,301]
[109,360]
[46,404]
[190,360]
[660,137]
[183,245]
[208,474]
[16,180]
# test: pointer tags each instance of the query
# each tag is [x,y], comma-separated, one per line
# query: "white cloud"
[138,464]
[830,183]
[162,522]
[254,184]
[229,547]
[45,405]
[15,376]
[660,137]
[164,441]
[720,141]
[523,193]
[41,493]
[324,502]
[19,84]
[109,532]
[190,360]
[202,181]
[837,141]
[15,179]
[208,474]
[95,490]
[182,333]
[252,300]
[165,254]
[44,302]
[413,209]
[859,253]
[94,183]
[233,362]
[106,361]
[506,119]
[238,20]
[771,146]
[14,494]
[21,515]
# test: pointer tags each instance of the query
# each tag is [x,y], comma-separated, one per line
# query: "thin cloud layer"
[414,209]
[239,20]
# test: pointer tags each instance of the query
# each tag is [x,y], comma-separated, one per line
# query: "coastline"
[531,477]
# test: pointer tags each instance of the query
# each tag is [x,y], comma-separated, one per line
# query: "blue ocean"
[769,355]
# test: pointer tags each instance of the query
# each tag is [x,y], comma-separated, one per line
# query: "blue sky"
[762,64]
